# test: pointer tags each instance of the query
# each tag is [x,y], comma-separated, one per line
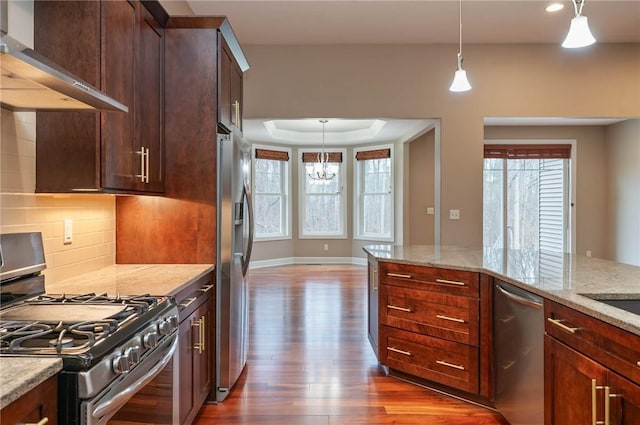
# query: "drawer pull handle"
[395,350]
[189,302]
[42,421]
[205,288]
[558,323]
[402,276]
[447,364]
[395,307]
[509,365]
[452,319]
[451,282]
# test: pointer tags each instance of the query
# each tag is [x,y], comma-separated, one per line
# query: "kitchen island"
[483,324]
[562,278]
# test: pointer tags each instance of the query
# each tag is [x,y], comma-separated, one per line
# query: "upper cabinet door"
[230,89]
[149,104]
[118,80]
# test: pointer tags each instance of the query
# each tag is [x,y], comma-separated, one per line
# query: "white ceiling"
[339,132]
[296,22]
[414,21]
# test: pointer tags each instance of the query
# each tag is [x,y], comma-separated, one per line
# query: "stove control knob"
[132,354]
[120,364]
[167,326]
[174,322]
[150,340]
[164,327]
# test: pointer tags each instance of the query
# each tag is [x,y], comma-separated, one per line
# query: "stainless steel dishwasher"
[518,325]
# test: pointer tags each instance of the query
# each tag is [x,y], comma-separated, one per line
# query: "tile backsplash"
[21,210]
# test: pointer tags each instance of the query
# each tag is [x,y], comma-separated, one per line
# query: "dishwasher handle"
[519,299]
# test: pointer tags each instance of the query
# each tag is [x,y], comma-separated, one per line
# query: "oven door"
[146,395]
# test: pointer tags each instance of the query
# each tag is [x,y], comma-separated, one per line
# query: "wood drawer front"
[445,362]
[449,317]
[613,347]
[454,282]
[192,296]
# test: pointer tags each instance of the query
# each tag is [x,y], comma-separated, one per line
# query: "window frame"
[571,175]
[358,211]
[285,187]
[302,197]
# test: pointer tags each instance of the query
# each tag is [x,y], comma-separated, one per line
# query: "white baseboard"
[307,260]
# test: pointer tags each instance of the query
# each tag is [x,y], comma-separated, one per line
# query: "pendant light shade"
[579,33]
[460,82]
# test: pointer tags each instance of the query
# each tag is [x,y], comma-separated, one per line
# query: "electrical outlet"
[326,247]
[588,253]
[454,214]
[68,231]
[431,211]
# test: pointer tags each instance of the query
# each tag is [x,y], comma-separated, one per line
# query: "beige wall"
[623,160]
[419,229]
[412,82]
[591,175]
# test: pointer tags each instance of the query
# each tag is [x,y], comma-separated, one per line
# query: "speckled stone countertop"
[132,279]
[559,277]
[18,375]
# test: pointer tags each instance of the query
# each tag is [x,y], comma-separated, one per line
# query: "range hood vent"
[31,82]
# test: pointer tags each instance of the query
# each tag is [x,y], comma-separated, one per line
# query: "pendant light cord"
[460,26]
[577,6]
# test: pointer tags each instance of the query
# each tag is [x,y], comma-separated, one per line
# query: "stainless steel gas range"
[113,347]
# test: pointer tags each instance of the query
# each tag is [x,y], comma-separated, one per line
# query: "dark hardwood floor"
[310,362]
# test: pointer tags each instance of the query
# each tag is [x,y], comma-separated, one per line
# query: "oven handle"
[108,408]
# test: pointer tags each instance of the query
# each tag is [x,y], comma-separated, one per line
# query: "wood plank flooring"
[310,362]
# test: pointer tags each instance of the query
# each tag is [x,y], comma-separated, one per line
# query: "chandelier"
[320,169]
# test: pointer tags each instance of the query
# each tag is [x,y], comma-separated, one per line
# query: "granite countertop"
[132,279]
[563,278]
[18,375]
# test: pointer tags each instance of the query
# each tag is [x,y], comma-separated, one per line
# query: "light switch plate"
[68,231]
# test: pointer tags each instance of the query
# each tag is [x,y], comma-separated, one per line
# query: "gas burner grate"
[36,337]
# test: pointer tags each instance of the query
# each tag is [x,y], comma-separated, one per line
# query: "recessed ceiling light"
[554,7]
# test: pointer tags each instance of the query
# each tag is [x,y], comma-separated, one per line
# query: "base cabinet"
[372,306]
[431,322]
[591,370]
[196,347]
[38,406]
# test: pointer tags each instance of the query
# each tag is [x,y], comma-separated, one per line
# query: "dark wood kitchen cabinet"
[431,323]
[372,308]
[186,215]
[230,89]
[592,370]
[196,348]
[35,406]
[116,46]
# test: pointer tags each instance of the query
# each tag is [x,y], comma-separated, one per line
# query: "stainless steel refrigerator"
[234,243]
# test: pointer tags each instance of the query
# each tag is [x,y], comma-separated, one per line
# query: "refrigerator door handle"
[246,194]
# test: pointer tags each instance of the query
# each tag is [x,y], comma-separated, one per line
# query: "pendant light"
[460,82]
[321,168]
[579,34]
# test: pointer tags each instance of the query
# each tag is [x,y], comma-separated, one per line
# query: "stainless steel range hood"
[31,82]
